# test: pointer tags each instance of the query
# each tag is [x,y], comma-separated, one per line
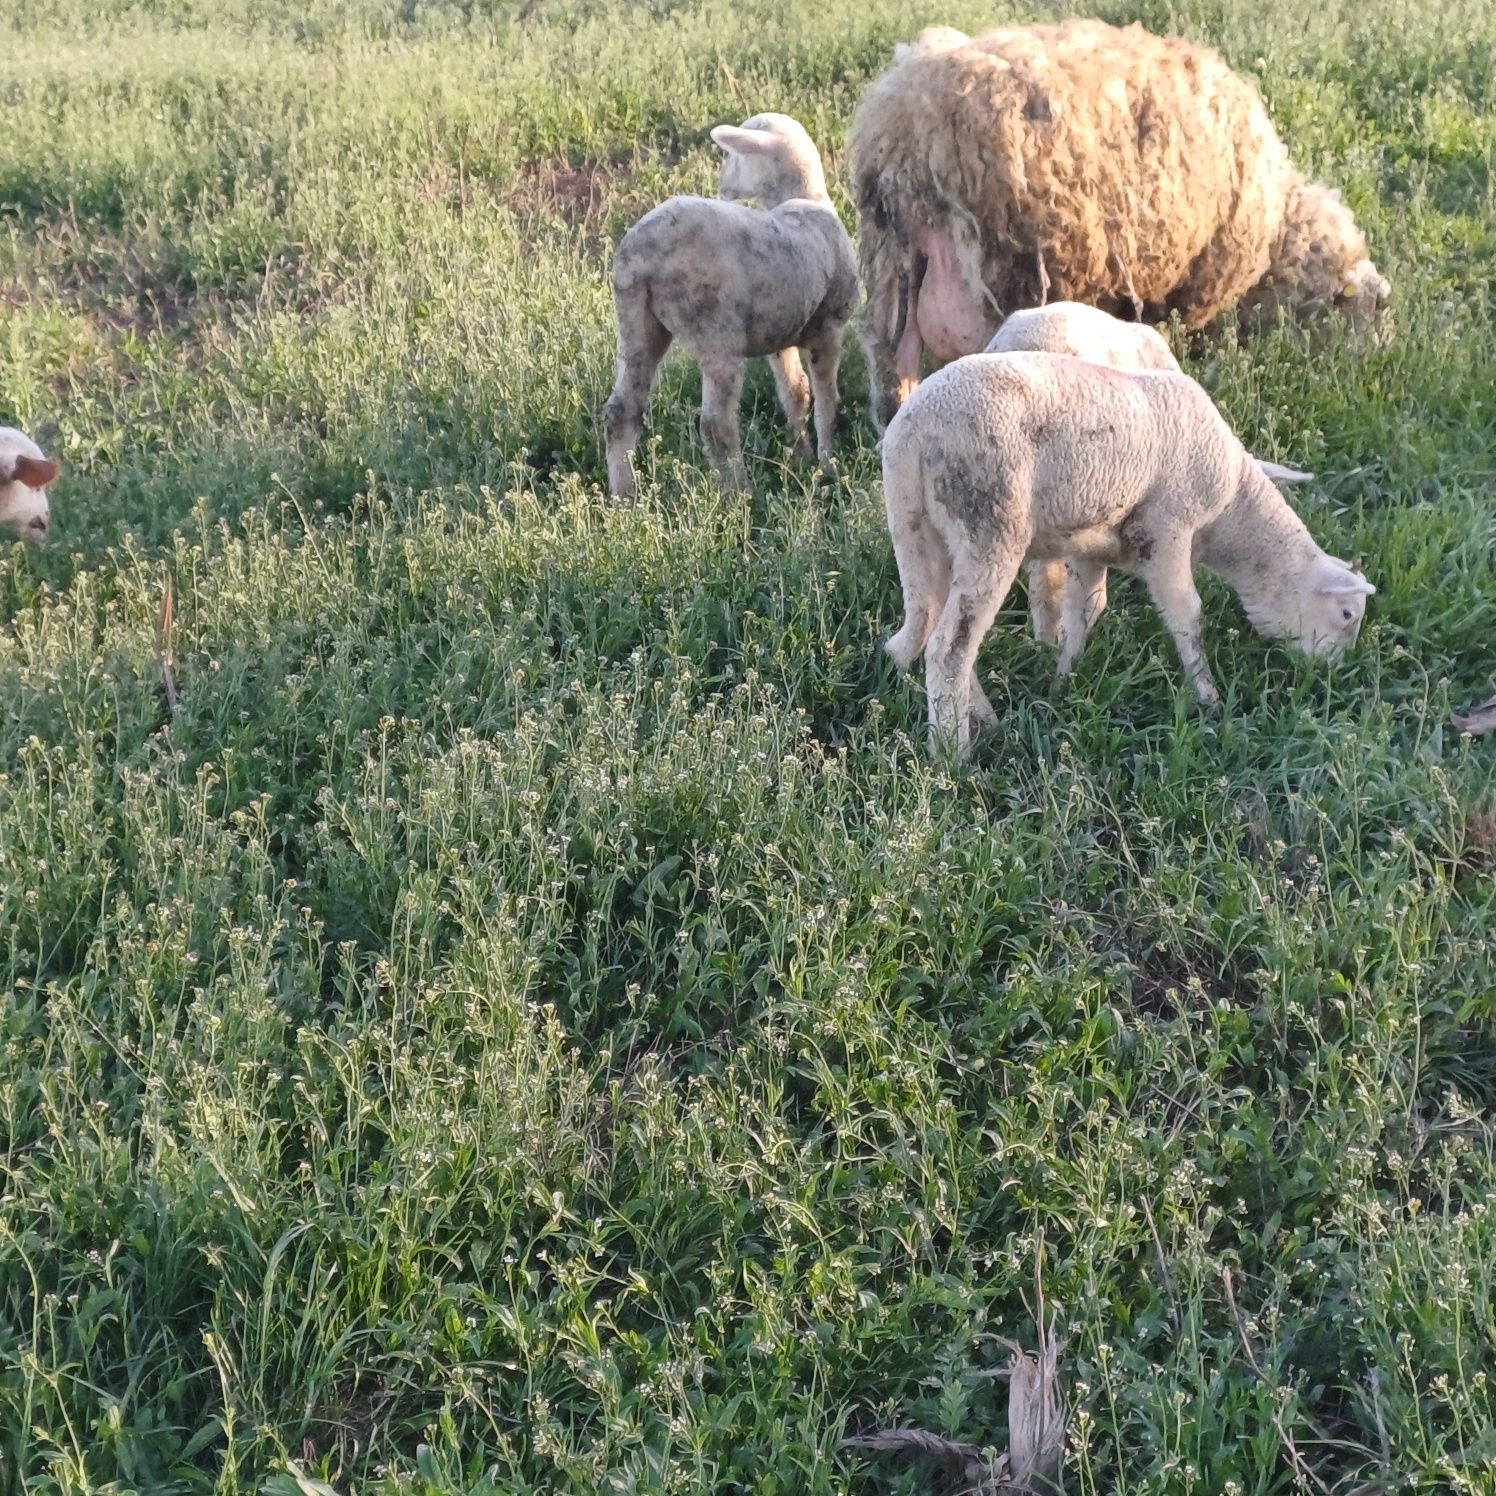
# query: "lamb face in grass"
[733,282]
[1003,457]
[24,476]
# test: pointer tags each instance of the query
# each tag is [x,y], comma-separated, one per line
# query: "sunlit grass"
[534,1019]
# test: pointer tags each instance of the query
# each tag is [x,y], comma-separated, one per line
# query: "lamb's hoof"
[946,750]
[1046,630]
[802,454]
[898,649]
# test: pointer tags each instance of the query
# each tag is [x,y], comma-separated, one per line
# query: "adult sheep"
[1081,162]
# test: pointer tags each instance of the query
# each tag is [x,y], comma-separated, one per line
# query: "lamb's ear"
[1335,577]
[743,142]
[35,472]
[1281,474]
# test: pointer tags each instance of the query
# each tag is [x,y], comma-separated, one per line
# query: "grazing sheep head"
[1322,614]
[1364,297]
[1319,264]
[769,158]
[24,476]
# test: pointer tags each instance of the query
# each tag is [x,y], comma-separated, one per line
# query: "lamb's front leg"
[721,394]
[1046,593]
[1171,585]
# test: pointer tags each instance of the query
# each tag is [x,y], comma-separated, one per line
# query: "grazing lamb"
[1081,162]
[1085,332]
[734,283]
[1003,456]
[24,476]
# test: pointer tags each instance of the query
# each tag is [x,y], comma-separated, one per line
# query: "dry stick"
[163,648]
[1041,1449]
[1289,1447]
[1375,1381]
[732,81]
[1163,1268]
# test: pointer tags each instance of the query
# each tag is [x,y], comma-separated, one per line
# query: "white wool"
[733,282]
[1054,588]
[1003,457]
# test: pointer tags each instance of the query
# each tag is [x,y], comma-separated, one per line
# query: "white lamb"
[1003,456]
[1054,589]
[734,283]
[24,476]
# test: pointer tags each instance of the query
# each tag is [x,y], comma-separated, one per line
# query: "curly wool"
[1077,161]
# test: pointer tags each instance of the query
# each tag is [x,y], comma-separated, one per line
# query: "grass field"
[533,1019]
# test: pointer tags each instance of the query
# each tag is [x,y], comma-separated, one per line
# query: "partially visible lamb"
[1003,456]
[734,283]
[24,476]
[1062,613]
[1083,162]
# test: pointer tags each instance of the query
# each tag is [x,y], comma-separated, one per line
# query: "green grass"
[534,1019]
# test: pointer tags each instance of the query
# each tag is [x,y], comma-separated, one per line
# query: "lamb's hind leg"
[721,395]
[794,398]
[925,574]
[925,571]
[825,359]
[978,588]
[642,342]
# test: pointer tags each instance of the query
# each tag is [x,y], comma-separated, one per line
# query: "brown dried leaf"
[963,1460]
[1481,719]
[1036,1420]
[1036,1415]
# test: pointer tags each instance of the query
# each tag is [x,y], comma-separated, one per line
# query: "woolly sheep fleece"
[1085,162]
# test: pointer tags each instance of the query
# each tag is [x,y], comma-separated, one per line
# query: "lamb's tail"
[909,528]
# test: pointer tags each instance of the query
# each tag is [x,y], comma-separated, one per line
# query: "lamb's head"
[24,476]
[1319,264]
[1319,609]
[771,158]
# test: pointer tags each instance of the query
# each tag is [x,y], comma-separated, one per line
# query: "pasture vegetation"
[533,1019]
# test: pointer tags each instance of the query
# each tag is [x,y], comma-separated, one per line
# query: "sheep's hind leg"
[794,398]
[642,342]
[976,594]
[825,359]
[1172,588]
[721,394]
[1083,602]
[925,573]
